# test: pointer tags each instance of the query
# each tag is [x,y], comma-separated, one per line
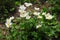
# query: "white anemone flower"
[22,7]
[28,4]
[22,11]
[24,14]
[28,17]
[36,13]
[38,26]
[11,18]
[8,23]
[48,16]
[36,8]
[39,16]
[44,13]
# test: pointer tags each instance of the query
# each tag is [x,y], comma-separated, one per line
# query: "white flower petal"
[22,11]
[8,22]
[12,17]
[28,17]
[28,4]
[39,16]
[22,7]
[48,16]
[36,13]
[36,8]
[24,14]
[44,13]
[38,26]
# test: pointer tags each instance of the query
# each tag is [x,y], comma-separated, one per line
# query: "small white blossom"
[48,16]
[22,7]
[38,26]
[39,16]
[28,4]
[44,13]
[36,8]
[24,14]
[28,17]
[36,13]
[12,17]
[22,11]
[8,23]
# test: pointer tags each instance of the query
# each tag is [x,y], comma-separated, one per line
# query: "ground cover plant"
[32,22]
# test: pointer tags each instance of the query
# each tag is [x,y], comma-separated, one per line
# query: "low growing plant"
[32,24]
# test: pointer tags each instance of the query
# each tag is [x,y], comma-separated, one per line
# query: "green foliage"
[23,29]
[7,7]
[55,4]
